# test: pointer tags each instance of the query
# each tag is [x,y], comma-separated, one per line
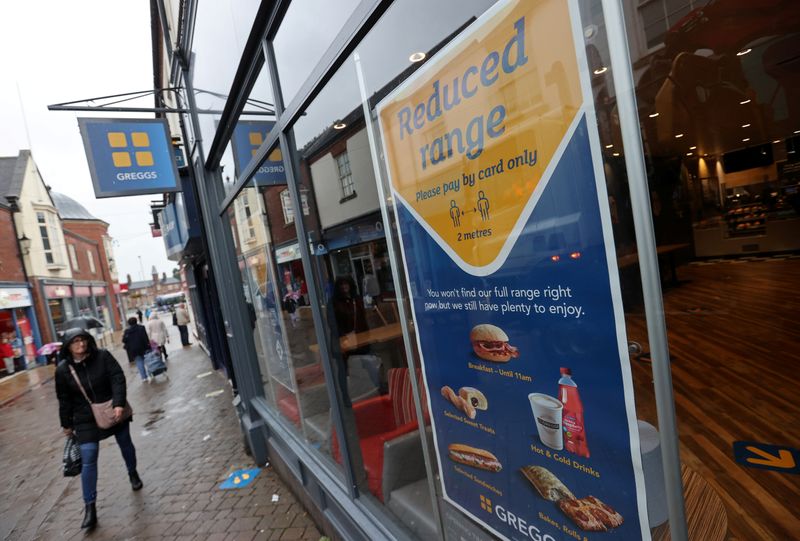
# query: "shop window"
[286,204]
[90,257]
[45,232]
[73,257]
[345,176]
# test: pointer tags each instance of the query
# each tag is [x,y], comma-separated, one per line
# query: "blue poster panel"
[248,135]
[131,156]
[494,161]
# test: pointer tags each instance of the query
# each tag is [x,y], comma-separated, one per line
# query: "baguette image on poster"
[505,237]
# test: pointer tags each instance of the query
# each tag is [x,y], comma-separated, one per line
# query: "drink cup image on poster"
[494,162]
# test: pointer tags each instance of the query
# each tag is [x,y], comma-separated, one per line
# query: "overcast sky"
[56,51]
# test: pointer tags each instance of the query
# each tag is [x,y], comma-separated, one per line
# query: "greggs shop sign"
[131,156]
[495,166]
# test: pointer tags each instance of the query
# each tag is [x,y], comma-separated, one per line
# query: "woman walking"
[157,331]
[102,379]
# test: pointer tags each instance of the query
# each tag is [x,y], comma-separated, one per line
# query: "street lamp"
[24,245]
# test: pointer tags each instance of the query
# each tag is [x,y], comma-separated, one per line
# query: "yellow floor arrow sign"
[771,457]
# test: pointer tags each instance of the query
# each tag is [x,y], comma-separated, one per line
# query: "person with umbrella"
[136,343]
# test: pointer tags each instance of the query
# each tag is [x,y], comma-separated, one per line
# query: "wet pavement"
[187,440]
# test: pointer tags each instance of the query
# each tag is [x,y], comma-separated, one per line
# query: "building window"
[288,210]
[73,257]
[345,176]
[286,204]
[90,257]
[658,16]
[44,230]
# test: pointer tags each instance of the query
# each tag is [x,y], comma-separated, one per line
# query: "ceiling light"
[692,148]
[601,70]
[746,139]
[745,125]
[616,154]
[743,52]
[689,153]
[745,102]
[678,136]
[653,115]
[339,126]
[575,255]
[555,258]
[776,141]
[796,132]
[417,57]
[609,146]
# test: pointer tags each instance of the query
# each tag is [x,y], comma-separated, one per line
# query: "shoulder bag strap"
[78,381]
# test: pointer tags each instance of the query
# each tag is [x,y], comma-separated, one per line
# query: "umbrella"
[83,322]
[49,349]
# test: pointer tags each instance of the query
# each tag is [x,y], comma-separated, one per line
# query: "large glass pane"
[719,116]
[363,300]
[275,290]
[218,41]
[307,29]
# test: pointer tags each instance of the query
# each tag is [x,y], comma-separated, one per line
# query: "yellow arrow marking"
[783,460]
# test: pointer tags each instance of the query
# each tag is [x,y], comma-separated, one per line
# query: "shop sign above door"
[14,297]
[494,161]
[132,156]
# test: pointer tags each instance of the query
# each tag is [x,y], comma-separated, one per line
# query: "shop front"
[482,351]
[18,324]
[60,306]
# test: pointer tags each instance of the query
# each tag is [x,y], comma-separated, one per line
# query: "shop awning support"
[648,261]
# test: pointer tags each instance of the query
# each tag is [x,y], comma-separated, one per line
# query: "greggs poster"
[495,166]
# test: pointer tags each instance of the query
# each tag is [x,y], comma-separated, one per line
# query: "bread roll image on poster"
[472,456]
[474,397]
[490,343]
[546,484]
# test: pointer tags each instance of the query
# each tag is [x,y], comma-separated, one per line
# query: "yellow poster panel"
[469,137]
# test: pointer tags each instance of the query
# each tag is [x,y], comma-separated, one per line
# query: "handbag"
[72,457]
[103,412]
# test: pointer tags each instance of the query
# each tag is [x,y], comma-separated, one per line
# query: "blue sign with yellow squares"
[131,156]
[248,135]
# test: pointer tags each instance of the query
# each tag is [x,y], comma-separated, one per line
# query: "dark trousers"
[184,330]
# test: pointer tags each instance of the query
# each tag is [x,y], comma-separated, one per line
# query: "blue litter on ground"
[240,478]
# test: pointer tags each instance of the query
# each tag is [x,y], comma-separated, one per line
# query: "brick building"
[91,256]
[18,318]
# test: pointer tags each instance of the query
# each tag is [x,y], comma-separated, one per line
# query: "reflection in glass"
[303,38]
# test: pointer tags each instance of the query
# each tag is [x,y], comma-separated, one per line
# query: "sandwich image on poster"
[497,177]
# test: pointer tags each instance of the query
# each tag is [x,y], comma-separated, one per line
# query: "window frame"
[347,184]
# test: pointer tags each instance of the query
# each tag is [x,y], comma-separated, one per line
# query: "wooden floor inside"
[734,338]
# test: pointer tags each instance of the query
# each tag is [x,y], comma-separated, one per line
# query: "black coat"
[103,379]
[135,340]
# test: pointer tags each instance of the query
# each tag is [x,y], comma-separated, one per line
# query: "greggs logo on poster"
[470,136]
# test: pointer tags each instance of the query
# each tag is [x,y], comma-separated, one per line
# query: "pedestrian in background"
[182,319]
[158,333]
[102,379]
[136,343]
[139,314]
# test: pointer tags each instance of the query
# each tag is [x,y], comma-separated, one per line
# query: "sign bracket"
[111,103]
